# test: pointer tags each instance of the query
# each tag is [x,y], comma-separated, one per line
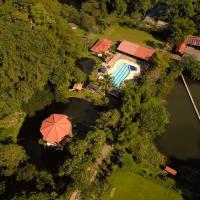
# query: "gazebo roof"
[55,128]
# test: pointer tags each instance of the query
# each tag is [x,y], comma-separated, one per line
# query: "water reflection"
[182,137]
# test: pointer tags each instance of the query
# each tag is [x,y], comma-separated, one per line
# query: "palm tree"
[106,83]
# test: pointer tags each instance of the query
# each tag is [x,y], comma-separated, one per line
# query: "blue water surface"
[119,74]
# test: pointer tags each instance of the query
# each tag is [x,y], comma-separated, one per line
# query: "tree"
[153,119]
[192,66]
[88,22]
[143,6]
[11,155]
[146,152]
[128,137]
[109,119]
[180,29]
[40,16]
[38,101]
[79,75]
[34,196]
[106,83]
[44,179]
[130,105]
[160,60]
[176,8]
[82,153]
[120,7]
[26,173]
[71,14]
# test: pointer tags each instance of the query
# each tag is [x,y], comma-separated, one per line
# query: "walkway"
[104,152]
[190,95]
[76,195]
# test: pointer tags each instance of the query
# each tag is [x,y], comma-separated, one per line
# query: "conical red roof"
[55,128]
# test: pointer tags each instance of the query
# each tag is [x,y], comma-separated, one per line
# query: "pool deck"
[127,59]
[119,56]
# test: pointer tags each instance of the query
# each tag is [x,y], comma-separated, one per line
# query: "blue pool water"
[120,73]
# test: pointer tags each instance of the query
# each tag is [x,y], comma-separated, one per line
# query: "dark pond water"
[182,137]
[82,115]
[181,141]
[86,65]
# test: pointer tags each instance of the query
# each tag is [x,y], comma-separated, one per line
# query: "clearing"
[127,185]
[116,33]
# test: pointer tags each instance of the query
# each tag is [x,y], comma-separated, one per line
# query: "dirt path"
[104,152]
[76,195]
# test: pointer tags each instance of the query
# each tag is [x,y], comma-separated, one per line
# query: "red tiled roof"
[136,50]
[194,41]
[78,86]
[181,47]
[170,170]
[101,46]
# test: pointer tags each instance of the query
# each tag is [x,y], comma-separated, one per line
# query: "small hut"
[101,46]
[181,48]
[55,129]
[78,86]
[171,171]
[73,26]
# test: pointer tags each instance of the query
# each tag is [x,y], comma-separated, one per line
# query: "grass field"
[127,185]
[116,33]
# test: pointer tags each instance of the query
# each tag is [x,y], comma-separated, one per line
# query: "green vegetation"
[124,183]
[192,66]
[180,29]
[127,182]
[117,33]
[10,157]
[39,63]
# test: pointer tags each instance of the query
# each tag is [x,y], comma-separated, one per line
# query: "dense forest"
[39,56]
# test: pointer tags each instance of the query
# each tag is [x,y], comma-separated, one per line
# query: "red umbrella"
[55,128]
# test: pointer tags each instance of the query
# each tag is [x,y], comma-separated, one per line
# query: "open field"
[127,185]
[116,33]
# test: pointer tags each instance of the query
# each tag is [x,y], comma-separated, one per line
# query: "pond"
[82,115]
[181,141]
[182,137]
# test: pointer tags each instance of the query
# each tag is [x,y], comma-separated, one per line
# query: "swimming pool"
[122,71]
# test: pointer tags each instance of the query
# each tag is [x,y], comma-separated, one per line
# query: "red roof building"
[78,86]
[136,50]
[181,47]
[193,40]
[55,128]
[101,46]
[170,170]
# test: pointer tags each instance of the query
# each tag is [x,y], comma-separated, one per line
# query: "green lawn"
[127,185]
[116,33]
